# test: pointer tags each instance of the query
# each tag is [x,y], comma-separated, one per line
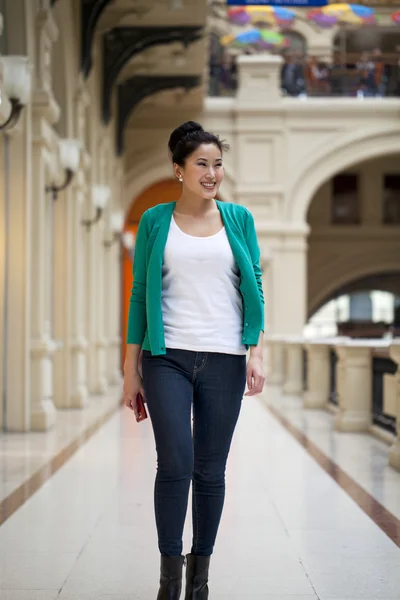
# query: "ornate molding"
[134,90]
[91,11]
[123,43]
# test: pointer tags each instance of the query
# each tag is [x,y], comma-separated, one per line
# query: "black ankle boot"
[170,577]
[197,577]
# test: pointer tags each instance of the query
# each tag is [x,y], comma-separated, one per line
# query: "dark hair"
[186,138]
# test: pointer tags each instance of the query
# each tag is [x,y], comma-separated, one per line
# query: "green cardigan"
[145,323]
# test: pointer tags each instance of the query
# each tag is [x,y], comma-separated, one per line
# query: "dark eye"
[202,164]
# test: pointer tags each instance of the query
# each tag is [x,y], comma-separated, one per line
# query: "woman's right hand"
[133,384]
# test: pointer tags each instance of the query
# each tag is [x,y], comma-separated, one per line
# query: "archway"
[365,306]
[338,154]
[166,190]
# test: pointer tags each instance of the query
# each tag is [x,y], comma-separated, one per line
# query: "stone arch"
[343,273]
[346,150]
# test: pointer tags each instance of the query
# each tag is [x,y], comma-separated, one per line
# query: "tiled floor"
[23,454]
[289,532]
[362,456]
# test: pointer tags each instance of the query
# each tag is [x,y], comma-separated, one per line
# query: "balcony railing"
[339,81]
[357,379]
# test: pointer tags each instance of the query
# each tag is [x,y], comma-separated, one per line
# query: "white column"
[394,452]
[101,384]
[42,345]
[318,375]
[293,383]
[114,316]
[78,342]
[354,384]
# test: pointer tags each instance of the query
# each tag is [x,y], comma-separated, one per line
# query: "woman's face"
[203,171]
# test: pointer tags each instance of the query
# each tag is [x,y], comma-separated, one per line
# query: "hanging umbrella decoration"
[260,38]
[396,17]
[262,15]
[342,14]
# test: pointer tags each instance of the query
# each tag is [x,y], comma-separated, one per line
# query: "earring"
[180,179]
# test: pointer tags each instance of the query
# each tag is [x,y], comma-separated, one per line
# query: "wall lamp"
[116,226]
[17,84]
[70,156]
[128,241]
[100,197]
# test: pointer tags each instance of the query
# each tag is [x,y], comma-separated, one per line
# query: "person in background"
[292,75]
[366,77]
[380,73]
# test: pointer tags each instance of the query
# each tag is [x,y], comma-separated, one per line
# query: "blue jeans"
[214,384]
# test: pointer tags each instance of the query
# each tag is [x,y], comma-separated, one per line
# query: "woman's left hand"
[255,376]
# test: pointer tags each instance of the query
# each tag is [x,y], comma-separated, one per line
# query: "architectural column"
[261,186]
[102,298]
[318,375]
[45,113]
[78,388]
[78,344]
[394,452]
[114,316]
[42,344]
[15,236]
[293,383]
[115,309]
[354,386]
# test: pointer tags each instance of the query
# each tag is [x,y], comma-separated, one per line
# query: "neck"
[191,204]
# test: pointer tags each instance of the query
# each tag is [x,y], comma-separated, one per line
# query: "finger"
[249,378]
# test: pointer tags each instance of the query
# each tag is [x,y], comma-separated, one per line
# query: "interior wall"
[340,254]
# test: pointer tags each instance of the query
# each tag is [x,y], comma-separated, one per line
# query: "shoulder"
[153,214]
[237,211]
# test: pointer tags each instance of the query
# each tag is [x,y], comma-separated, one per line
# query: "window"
[345,203]
[391,200]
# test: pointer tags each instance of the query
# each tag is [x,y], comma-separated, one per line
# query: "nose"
[211,172]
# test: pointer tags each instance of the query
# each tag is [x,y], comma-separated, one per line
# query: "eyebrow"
[201,158]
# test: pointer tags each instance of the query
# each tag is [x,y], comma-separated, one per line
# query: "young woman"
[196,308]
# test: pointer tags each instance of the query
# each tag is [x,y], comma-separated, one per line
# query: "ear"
[178,172]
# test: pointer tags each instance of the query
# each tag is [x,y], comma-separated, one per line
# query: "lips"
[209,186]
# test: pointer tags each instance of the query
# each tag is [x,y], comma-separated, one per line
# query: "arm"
[137,320]
[254,249]
[255,370]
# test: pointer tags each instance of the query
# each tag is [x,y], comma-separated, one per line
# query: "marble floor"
[289,531]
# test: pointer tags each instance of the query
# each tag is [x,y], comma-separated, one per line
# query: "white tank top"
[201,302]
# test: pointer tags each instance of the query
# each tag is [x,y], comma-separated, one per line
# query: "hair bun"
[182,131]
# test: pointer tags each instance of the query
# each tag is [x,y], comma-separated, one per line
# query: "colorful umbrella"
[396,17]
[262,38]
[267,15]
[339,14]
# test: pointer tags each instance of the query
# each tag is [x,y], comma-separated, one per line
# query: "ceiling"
[154,57]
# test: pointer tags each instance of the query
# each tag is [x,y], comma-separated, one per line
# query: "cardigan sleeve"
[254,249]
[137,320]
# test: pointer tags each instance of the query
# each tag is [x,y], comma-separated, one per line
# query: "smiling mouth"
[209,186]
